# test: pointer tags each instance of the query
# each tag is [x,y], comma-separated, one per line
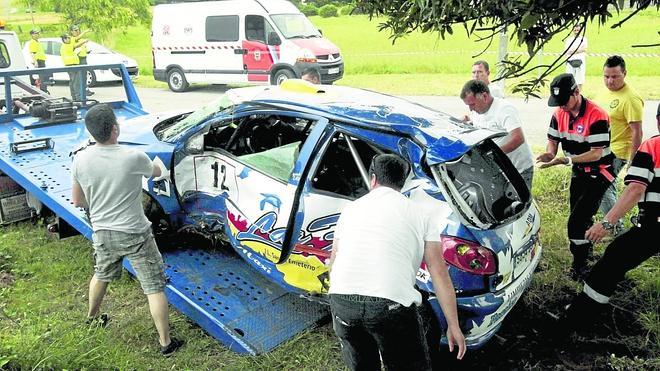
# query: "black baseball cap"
[65,36]
[561,89]
[35,31]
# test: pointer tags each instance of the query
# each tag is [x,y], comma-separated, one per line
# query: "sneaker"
[89,92]
[100,321]
[172,347]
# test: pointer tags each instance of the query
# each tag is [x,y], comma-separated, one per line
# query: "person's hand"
[466,119]
[548,160]
[455,336]
[595,233]
[545,157]
[555,161]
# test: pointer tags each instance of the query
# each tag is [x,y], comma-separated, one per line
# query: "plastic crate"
[13,201]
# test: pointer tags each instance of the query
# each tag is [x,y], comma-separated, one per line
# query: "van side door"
[259,57]
[223,51]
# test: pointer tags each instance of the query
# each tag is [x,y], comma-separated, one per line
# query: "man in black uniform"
[631,248]
[582,128]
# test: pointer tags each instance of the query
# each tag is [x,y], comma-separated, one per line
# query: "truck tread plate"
[215,289]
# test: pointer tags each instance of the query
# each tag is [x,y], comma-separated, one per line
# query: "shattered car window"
[197,117]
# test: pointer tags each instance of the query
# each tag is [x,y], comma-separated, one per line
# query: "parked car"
[96,54]
[268,169]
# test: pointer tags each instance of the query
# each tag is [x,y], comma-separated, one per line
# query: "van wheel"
[282,75]
[91,78]
[176,80]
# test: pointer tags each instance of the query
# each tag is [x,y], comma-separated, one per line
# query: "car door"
[337,175]
[241,175]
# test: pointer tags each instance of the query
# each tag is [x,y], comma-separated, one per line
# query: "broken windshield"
[196,117]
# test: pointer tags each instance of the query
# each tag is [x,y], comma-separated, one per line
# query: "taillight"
[468,256]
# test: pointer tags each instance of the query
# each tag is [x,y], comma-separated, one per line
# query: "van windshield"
[295,26]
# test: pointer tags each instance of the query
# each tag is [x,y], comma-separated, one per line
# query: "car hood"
[139,131]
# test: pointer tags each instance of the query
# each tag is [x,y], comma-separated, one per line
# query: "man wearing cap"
[70,58]
[76,37]
[582,128]
[626,109]
[38,57]
[629,249]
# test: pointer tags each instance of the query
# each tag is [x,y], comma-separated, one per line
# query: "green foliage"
[327,11]
[102,16]
[308,10]
[321,3]
[346,10]
[534,22]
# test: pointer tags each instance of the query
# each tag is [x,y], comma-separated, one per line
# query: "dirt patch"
[533,338]
[6,279]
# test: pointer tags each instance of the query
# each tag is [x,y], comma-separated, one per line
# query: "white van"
[238,41]
[11,57]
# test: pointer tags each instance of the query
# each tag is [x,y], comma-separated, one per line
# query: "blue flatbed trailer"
[216,289]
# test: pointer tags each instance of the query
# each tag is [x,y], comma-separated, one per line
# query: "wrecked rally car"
[268,170]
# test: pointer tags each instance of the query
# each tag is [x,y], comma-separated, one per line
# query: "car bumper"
[330,72]
[481,316]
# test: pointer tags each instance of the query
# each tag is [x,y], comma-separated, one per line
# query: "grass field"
[424,64]
[43,301]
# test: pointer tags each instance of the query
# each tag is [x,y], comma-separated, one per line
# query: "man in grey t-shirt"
[107,181]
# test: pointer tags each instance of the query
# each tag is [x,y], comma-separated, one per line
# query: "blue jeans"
[371,328]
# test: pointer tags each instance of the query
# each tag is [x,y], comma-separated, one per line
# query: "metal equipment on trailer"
[214,288]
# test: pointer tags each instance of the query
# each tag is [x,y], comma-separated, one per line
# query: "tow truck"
[214,288]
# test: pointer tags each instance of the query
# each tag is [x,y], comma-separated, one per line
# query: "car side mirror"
[274,39]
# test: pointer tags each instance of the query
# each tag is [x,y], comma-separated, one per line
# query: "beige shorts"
[111,247]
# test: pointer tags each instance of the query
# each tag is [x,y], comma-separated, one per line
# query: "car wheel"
[282,75]
[176,80]
[91,78]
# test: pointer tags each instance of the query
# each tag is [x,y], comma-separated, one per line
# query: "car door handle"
[240,51]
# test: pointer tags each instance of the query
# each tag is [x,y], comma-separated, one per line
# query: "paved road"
[535,113]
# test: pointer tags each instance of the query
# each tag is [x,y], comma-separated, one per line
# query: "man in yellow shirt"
[38,58]
[70,58]
[76,37]
[626,109]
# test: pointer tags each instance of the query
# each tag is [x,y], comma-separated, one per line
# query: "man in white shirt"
[481,72]
[377,250]
[576,53]
[497,114]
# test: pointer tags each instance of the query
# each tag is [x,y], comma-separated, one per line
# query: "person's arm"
[333,254]
[516,139]
[592,155]
[550,153]
[626,202]
[77,196]
[444,291]
[156,171]
[636,131]
[80,43]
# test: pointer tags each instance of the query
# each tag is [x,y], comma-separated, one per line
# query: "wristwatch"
[608,226]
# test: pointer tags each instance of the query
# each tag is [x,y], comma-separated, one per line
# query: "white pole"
[501,55]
